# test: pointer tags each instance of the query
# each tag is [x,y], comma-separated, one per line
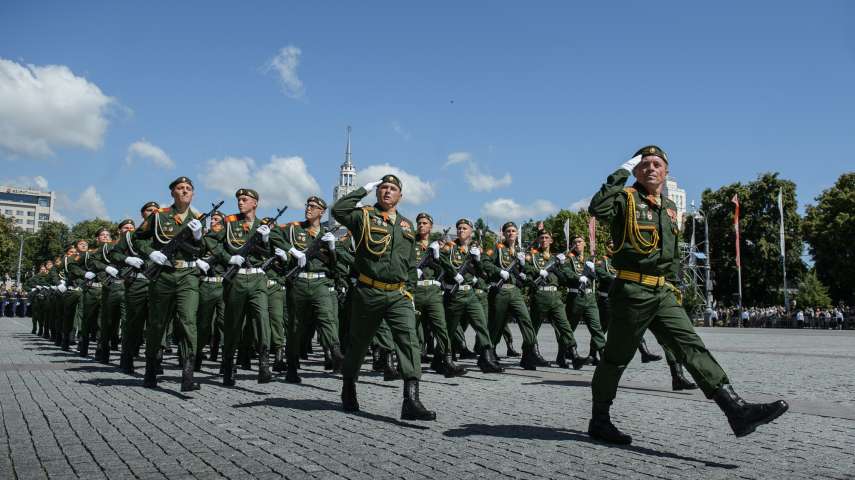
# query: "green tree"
[762,278]
[812,293]
[86,229]
[48,243]
[8,247]
[554,224]
[829,229]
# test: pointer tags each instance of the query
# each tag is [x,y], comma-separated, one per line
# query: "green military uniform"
[136,298]
[90,300]
[53,322]
[209,314]
[277,293]
[112,302]
[71,297]
[581,303]
[174,294]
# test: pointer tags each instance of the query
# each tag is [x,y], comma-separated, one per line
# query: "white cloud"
[416,191]
[400,131]
[581,204]
[147,150]
[87,205]
[285,63]
[46,107]
[457,157]
[483,182]
[281,181]
[503,209]
[38,182]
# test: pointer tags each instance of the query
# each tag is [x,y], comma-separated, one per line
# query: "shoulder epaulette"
[199,216]
[368,208]
[295,223]
[231,218]
[500,245]
[629,189]
[164,210]
[489,252]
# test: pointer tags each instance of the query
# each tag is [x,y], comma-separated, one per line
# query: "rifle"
[428,258]
[514,264]
[549,268]
[153,271]
[311,252]
[248,246]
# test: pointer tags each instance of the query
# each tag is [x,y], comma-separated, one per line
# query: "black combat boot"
[678,378]
[390,371]
[292,374]
[244,360]
[102,355]
[593,358]
[228,369]
[187,383]
[577,360]
[412,408]
[65,343]
[437,364]
[601,427]
[646,355]
[150,380]
[488,363]
[538,358]
[376,359]
[450,368]
[327,359]
[278,361]
[348,395]
[561,358]
[744,417]
[197,362]
[215,347]
[466,354]
[337,358]
[528,360]
[126,362]
[264,375]
[83,346]
[159,366]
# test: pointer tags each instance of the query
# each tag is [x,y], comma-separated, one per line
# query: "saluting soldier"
[246,294]
[112,294]
[643,224]
[581,303]
[386,261]
[175,292]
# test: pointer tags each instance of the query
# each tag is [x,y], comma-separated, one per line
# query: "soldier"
[90,298]
[136,289]
[428,298]
[386,261]
[70,294]
[174,293]
[581,303]
[276,297]
[505,266]
[112,294]
[209,314]
[546,305]
[462,263]
[309,299]
[646,259]
[246,294]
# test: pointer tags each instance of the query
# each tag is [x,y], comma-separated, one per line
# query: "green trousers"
[246,300]
[583,309]
[211,307]
[546,306]
[175,295]
[276,314]
[136,314]
[431,313]
[634,309]
[112,306]
[91,301]
[370,307]
[465,306]
[70,301]
[310,305]
[504,303]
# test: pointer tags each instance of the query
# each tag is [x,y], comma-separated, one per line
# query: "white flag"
[781,211]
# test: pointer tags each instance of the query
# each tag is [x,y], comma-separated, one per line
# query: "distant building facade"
[678,196]
[28,208]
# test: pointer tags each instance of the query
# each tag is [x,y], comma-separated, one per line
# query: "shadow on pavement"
[314,405]
[587,383]
[531,432]
[131,382]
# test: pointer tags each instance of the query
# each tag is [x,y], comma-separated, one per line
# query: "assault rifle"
[550,267]
[249,246]
[153,271]
[312,252]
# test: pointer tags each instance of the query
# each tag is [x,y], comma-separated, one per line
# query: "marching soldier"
[581,303]
[70,290]
[112,294]
[90,297]
[386,261]
[209,314]
[646,259]
[276,297]
[174,293]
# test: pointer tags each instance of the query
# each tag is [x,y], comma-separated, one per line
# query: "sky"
[505,110]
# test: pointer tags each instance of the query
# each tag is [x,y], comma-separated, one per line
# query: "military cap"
[316,199]
[248,192]
[543,232]
[652,150]
[217,213]
[389,178]
[149,204]
[124,222]
[102,229]
[508,225]
[180,180]
[464,221]
[424,215]
[71,245]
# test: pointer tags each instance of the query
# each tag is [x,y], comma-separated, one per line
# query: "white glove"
[504,274]
[203,265]
[158,257]
[522,276]
[631,163]
[583,280]
[195,226]
[521,258]
[544,273]
[135,262]
[330,239]
[458,278]
[111,271]
[561,258]
[61,287]
[590,265]
[300,256]
[34,289]
[419,272]
[280,253]
[88,275]
[475,252]
[264,231]
[236,260]
[434,250]
[372,185]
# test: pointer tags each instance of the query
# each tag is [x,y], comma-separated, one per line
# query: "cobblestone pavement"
[62,416]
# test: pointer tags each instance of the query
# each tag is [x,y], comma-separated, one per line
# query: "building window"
[31,214]
[8,211]
[19,220]
[19,213]
[44,217]
[31,222]
[44,202]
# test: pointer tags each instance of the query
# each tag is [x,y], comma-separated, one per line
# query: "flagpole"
[783,251]
[735,200]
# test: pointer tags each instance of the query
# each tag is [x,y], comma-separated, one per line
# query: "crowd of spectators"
[841,317]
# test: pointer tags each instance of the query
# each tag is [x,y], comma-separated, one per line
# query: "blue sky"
[537,105]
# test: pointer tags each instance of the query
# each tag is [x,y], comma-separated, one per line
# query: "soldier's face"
[579,245]
[313,211]
[82,247]
[511,235]
[128,227]
[246,204]
[424,226]
[71,251]
[43,269]
[104,237]
[651,172]
[48,265]
[148,211]
[183,193]
[388,195]
[545,240]
[216,220]
[464,232]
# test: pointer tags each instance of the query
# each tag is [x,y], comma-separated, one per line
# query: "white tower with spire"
[346,177]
